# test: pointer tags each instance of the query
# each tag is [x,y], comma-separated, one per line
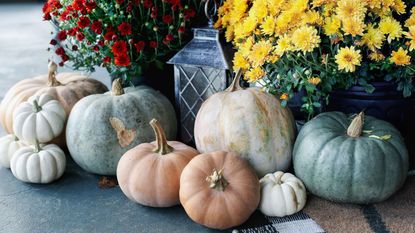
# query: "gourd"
[9,144]
[67,88]
[150,172]
[360,161]
[282,194]
[219,190]
[102,127]
[250,122]
[39,163]
[41,119]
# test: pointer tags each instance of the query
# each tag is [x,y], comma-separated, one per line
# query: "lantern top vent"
[204,50]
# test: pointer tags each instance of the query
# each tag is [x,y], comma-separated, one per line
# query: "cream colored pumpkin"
[67,88]
[9,144]
[250,122]
[41,119]
[282,194]
[38,164]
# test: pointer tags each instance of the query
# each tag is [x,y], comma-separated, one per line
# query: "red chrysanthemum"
[125,28]
[119,47]
[189,13]
[78,5]
[169,37]
[95,48]
[83,22]
[147,4]
[60,51]
[153,44]
[122,60]
[90,5]
[139,46]
[71,32]
[80,36]
[181,30]
[96,27]
[62,35]
[106,59]
[167,19]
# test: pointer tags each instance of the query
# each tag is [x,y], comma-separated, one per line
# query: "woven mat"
[397,214]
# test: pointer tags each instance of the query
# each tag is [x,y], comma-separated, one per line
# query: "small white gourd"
[8,145]
[282,194]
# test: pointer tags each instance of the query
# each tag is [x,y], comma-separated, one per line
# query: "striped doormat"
[297,223]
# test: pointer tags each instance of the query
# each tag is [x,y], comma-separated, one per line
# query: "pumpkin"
[40,119]
[250,122]
[39,163]
[150,173]
[282,194]
[67,88]
[360,161]
[102,127]
[219,189]
[8,145]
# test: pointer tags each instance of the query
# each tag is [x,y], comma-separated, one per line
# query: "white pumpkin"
[38,164]
[282,194]
[41,119]
[8,145]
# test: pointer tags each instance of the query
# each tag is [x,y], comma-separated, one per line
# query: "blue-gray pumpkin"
[359,161]
[102,127]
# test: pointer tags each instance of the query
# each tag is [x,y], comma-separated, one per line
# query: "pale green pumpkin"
[362,162]
[250,122]
[102,127]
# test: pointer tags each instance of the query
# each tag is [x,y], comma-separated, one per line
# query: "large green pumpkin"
[360,161]
[102,127]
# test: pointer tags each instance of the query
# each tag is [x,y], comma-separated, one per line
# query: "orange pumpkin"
[67,88]
[219,190]
[150,173]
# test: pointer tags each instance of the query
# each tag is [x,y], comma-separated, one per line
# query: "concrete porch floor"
[74,203]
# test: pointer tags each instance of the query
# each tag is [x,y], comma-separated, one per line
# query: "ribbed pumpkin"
[150,172]
[361,161]
[250,122]
[102,127]
[67,88]
[219,190]
[9,144]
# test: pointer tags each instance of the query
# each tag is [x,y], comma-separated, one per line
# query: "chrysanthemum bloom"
[305,39]
[348,58]
[400,57]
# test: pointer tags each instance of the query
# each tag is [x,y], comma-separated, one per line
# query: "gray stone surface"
[74,203]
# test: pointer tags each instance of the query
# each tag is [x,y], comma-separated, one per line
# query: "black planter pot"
[384,103]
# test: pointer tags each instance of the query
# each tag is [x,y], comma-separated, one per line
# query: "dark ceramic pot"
[384,103]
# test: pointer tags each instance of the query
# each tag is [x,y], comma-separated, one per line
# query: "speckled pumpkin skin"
[250,122]
[92,139]
[340,168]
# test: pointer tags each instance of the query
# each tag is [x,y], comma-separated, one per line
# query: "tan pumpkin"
[150,173]
[219,190]
[250,122]
[67,88]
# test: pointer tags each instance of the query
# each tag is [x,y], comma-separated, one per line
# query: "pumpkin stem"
[117,87]
[37,147]
[15,138]
[356,127]
[52,81]
[162,146]
[36,106]
[217,181]
[235,86]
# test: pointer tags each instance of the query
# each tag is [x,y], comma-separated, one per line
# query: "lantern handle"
[215,10]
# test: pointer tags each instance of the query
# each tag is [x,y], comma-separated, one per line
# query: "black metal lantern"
[201,69]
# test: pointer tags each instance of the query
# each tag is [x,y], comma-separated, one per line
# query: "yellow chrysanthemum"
[348,58]
[331,25]
[260,52]
[268,27]
[353,26]
[240,62]
[372,4]
[315,81]
[411,36]
[399,7]
[305,39]
[312,17]
[391,27]
[254,74]
[246,28]
[400,57]
[259,10]
[229,34]
[376,56]
[284,96]
[411,20]
[347,9]
[238,12]
[300,5]
[373,38]
[283,23]
[275,6]
[245,47]
[283,45]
